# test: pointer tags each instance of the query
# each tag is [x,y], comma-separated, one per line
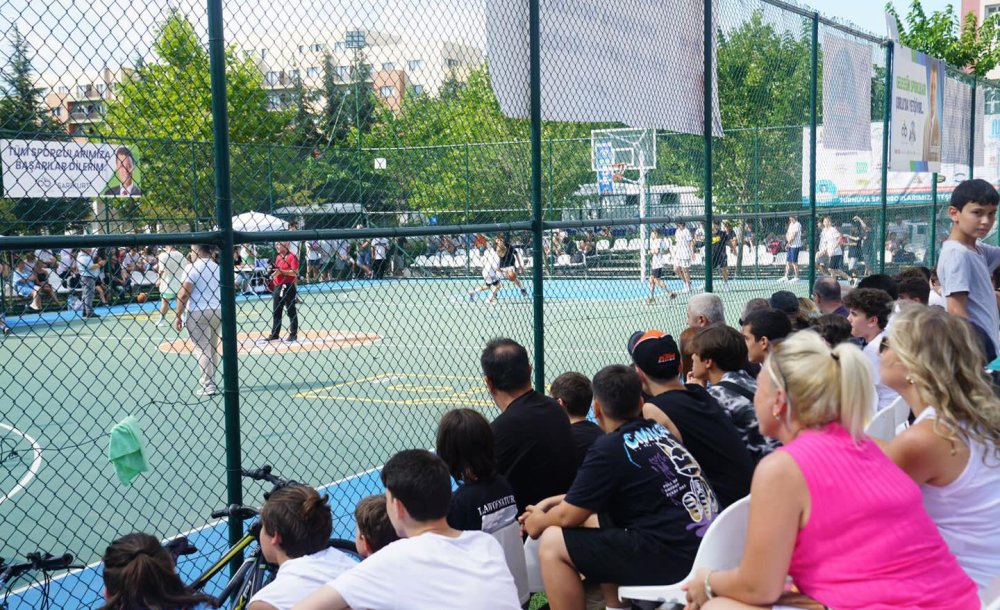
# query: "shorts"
[657,273]
[720,261]
[793,255]
[491,277]
[624,557]
[25,290]
[506,271]
[168,296]
[682,263]
[836,261]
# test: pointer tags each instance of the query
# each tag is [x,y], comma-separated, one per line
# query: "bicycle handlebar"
[235,511]
[39,560]
[264,474]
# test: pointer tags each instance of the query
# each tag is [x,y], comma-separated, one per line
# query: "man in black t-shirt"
[572,392]
[651,500]
[692,415]
[534,444]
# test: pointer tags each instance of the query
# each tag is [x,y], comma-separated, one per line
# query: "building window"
[263,54]
[414,64]
[272,78]
[992,101]
[418,89]
[101,88]
[295,74]
[81,91]
[57,111]
[338,46]
[302,48]
[388,66]
[342,72]
[317,48]
[387,91]
[63,90]
[991,9]
[451,63]
[312,72]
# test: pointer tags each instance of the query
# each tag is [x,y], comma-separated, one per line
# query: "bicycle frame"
[221,564]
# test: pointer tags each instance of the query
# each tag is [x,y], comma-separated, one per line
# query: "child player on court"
[491,274]
[658,257]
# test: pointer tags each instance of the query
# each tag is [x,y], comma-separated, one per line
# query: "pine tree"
[22,110]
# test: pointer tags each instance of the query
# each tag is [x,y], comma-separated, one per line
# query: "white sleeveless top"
[967,511]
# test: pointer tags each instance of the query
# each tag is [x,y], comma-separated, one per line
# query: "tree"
[962,43]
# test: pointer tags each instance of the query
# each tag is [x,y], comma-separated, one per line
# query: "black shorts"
[720,261]
[836,261]
[657,273]
[624,557]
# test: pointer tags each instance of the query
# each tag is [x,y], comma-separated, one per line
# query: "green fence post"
[707,127]
[194,185]
[224,218]
[931,254]
[534,67]
[270,180]
[886,109]
[813,75]
[468,197]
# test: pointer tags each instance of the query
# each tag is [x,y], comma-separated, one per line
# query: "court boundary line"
[36,462]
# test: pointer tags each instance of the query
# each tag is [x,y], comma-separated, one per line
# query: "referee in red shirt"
[284,276]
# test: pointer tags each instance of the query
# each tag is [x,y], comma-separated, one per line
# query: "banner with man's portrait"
[917,112]
[55,169]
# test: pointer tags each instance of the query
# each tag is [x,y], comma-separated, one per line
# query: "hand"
[533,521]
[695,589]
[178,322]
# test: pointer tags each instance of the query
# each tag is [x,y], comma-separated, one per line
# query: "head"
[807,308]
[139,573]
[417,489]
[915,289]
[973,208]
[792,220]
[465,443]
[753,305]
[375,531]
[918,272]
[203,250]
[617,396]
[881,282]
[786,302]
[573,392]
[718,349]
[761,330]
[827,223]
[655,356]
[705,309]
[805,383]
[928,349]
[295,521]
[124,165]
[505,366]
[832,328]
[868,311]
[282,247]
[826,294]
[686,339]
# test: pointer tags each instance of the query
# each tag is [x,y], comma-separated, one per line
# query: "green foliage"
[960,42]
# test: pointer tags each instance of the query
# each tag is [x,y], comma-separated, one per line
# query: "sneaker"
[272,338]
[91,315]
[6,330]
[291,339]
[650,301]
[162,322]
[202,392]
[673,295]
[524,292]
[794,280]
[32,307]
[784,279]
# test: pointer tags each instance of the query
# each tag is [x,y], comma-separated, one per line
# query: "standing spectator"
[683,254]
[704,310]
[952,450]
[294,247]
[831,250]
[658,256]
[4,269]
[284,276]
[869,313]
[761,330]
[534,441]
[314,257]
[722,239]
[573,393]
[364,258]
[834,329]
[89,262]
[829,508]
[171,265]
[380,256]
[199,297]
[965,264]
[793,239]
[26,285]
[343,264]
[119,280]
[827,296]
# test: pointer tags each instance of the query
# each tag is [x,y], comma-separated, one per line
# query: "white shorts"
[491,276]
[505,271]
[682,263]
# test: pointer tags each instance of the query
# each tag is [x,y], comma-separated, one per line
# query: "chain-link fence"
[411,156]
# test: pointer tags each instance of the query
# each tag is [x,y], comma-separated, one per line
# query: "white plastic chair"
[603,244]
[620,244]
[563,260]
[635,244]
[991,595]
[888,422]
[721,549]
[533,565]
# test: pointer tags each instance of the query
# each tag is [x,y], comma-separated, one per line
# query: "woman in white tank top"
[952,450]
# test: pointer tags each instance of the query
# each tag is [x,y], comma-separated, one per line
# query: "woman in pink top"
[953,449]
[829,508]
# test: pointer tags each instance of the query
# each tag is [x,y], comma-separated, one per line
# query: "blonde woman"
[953,448]
[829,508]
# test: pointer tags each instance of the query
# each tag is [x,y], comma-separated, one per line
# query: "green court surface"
[384,361]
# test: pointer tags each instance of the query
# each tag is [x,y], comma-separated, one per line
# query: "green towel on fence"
[126,450]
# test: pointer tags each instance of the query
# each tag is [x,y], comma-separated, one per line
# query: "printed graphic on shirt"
[498,514]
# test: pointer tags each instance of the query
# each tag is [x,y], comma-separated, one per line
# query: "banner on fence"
[957,122]
[847,93]
[650,75]
[53,169]
[917,106]
[854,177]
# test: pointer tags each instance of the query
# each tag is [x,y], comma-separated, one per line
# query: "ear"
[365,546]
[489,385]
[708,363]
[953,213]
[598,410]
[765,343]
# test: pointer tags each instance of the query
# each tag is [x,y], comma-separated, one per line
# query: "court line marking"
[215,523]
[36,463]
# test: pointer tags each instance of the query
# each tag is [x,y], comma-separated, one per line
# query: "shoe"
[794,280]
[32,307]
[6,330]
[784,279]
[291,339]
[472,296]
[673,295]
[162,322]
[524,292]
[650,301]
[91,315]
[272,338]
[686,290]
[202,392]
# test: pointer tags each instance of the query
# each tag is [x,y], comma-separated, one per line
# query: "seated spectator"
[374,530]
[753,305]
[130,259]
[296,524]
[827,295]
[572,392]
[139,573]
[761,330]
[119,281]
[829,508]
[687,355]
[66,268]
[936,298]
[787,303]
[952,450]
[25,282]
[704,310]
[807,309]
[833,328]
[691,415]
[534,441]
[869,313]
[914,289]
[881,282]
[647,493]
[719,354]
[484,500]
[432,565]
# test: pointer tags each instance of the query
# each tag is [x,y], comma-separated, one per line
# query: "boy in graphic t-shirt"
[642,487]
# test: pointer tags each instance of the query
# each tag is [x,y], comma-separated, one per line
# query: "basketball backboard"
[635,149]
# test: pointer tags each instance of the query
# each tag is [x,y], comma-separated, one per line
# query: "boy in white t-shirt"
[683,253]
[433,566]
[657,251]
[171,268]
[296,524]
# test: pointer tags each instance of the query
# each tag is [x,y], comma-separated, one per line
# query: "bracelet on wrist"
[709,594]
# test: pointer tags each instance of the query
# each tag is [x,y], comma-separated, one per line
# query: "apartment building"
[79,102]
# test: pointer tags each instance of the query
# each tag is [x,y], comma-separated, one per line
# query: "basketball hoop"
[617,172]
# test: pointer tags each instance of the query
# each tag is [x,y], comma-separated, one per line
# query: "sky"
[870,14]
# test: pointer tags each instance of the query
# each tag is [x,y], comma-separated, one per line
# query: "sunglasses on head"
[884,345]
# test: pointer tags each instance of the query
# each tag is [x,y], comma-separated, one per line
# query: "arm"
[182,299]
[562,514]
[325,598]
[260,606]
[916,450]
[655,413]
[779,506]
[958,304]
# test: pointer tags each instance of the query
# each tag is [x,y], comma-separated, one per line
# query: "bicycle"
[255,572]
[39,561]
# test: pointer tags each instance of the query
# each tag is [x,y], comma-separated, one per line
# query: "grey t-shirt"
[963,270]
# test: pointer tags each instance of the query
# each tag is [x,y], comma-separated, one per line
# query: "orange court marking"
[309,340]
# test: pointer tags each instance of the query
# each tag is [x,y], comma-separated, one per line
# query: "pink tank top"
[868,542]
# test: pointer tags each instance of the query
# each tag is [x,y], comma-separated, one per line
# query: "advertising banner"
[847,93]
[917,112]
[54,169]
